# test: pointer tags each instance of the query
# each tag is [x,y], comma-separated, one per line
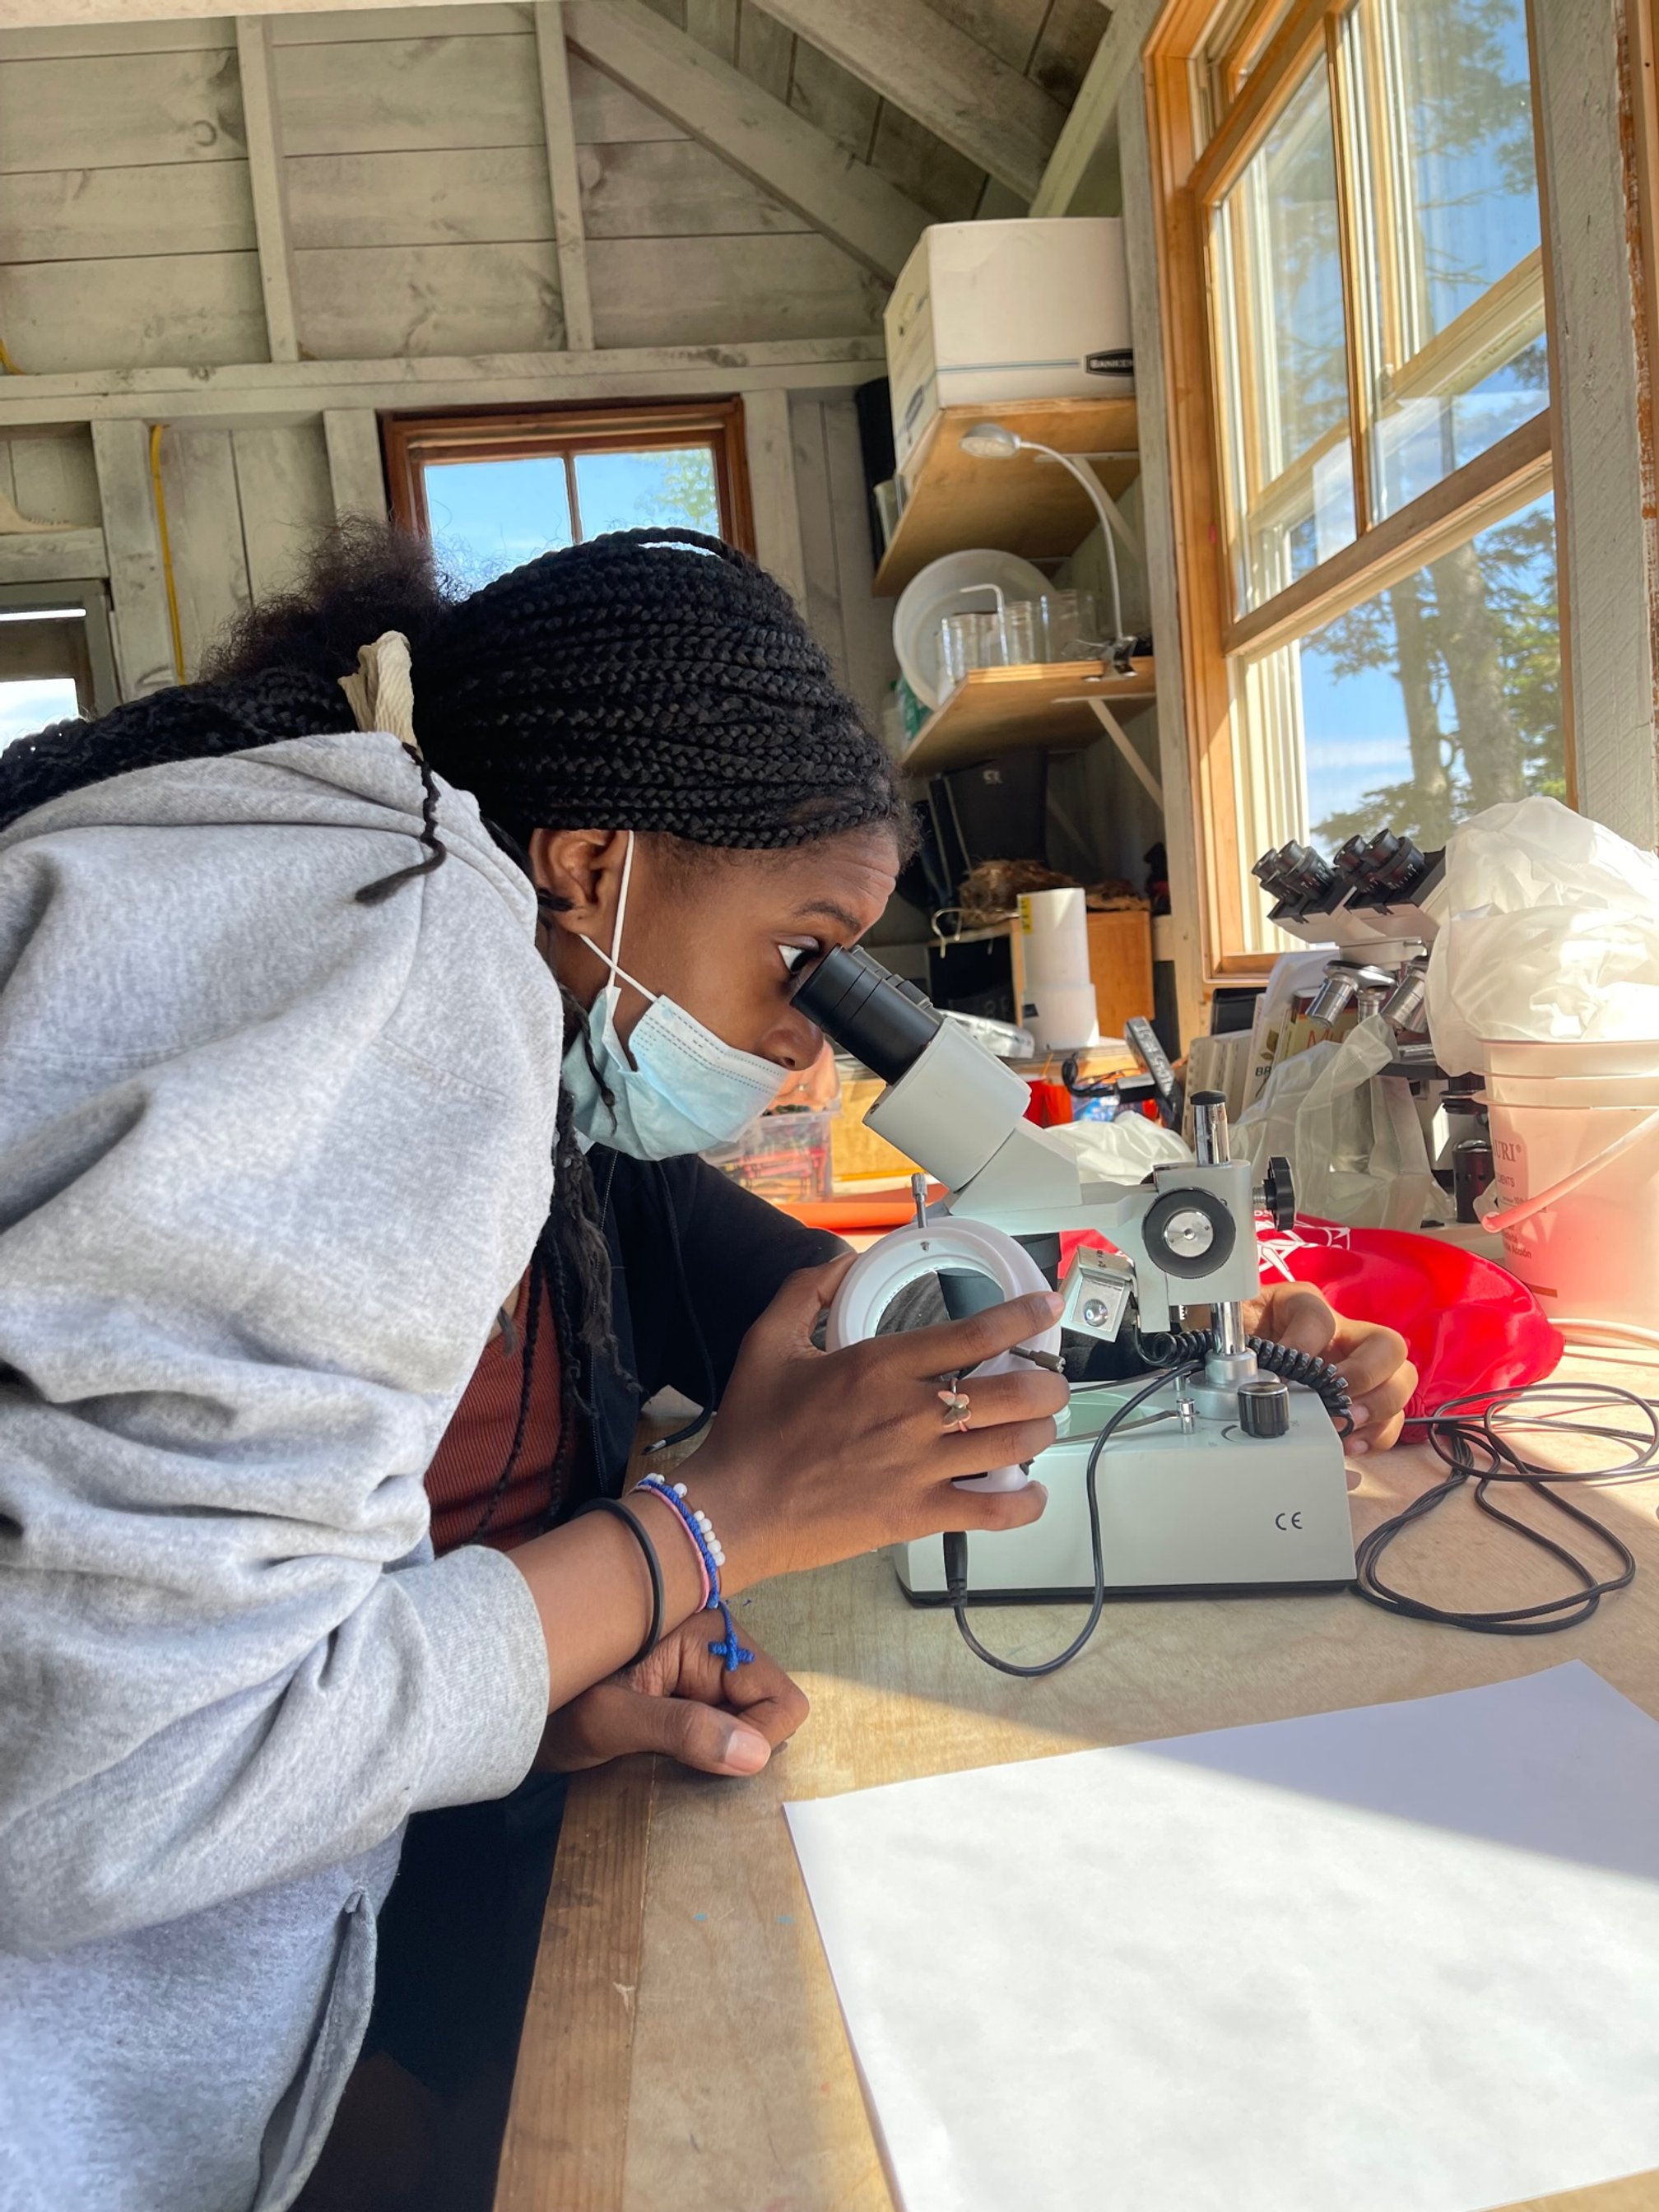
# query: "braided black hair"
[653,680]
[656,680]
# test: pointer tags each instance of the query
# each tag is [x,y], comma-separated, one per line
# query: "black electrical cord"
[1172,1347]
[956,1552]
[1475,1444]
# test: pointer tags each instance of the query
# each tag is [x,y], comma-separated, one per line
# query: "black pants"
[458,1940]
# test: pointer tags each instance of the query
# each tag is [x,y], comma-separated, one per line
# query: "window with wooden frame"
[492,490]
[1351,279]
[55,657]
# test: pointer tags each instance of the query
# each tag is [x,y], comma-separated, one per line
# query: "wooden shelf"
[1002,710]
[1024,505]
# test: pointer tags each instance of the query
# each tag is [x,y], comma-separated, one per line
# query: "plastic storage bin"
[782,1157]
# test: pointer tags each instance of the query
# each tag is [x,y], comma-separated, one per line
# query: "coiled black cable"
[1183,1347]
[1468,1436]
[1170,1347]
[1328,1384]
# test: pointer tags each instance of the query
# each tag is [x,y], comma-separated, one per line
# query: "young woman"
[282,1049]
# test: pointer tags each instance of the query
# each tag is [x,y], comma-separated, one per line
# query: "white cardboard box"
[996,311]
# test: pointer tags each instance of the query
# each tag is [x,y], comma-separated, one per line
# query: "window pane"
[1282,352]
[490,516]
[1448,233]
[28,704]
[1439,697]
[626,491]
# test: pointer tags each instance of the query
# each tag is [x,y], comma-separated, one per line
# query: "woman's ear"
[578,874]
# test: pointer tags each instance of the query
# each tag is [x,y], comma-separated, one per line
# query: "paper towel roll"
[1054,939]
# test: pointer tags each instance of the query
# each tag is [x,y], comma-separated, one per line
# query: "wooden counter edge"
[567,2128]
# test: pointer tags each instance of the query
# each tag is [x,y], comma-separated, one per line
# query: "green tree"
[684,495]
[1472,638]
[1474,643]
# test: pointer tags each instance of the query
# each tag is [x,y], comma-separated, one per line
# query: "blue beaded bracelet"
[701,1530]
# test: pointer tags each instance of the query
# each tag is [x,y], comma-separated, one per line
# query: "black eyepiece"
[868,1010]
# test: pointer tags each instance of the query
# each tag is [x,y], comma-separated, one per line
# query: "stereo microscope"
[1232,1477]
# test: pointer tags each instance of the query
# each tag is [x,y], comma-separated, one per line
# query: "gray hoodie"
[270,1162]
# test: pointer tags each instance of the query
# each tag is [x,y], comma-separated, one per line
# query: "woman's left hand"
[1373,1360]
[679,1699]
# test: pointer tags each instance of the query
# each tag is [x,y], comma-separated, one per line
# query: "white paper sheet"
[1404,1959]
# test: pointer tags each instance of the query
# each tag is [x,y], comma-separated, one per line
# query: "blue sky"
[1355,726]
[28,703]
[490,516]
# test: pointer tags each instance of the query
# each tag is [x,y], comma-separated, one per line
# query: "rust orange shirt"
[467,1465]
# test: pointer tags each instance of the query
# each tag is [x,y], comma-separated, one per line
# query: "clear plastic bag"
[1549,934]
[1124,1151]
[1351,1133]
[1269,1126]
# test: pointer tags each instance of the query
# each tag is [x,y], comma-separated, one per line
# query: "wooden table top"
[682,2051]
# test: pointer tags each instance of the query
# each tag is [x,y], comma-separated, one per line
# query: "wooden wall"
[407,152]
[414,163]
[417,179]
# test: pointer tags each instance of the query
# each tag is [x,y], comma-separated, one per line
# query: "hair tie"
[381,695]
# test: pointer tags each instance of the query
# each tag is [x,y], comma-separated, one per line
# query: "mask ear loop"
[613,960]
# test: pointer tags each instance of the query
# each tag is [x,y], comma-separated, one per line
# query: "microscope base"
[1203,1511]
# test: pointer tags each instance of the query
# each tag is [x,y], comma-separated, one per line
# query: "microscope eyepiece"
[869,1011]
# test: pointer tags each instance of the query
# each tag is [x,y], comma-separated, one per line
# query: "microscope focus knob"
[1277,1193]
[1264,1407]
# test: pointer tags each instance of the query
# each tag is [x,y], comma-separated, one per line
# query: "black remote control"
[1142,1040]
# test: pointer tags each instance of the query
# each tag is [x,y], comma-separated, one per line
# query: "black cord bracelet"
[618,1511]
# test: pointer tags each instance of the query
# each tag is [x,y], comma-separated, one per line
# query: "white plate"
[943,588]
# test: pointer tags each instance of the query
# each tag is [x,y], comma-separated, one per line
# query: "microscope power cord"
[1183,1347]
[1471,1437]
[956,1552]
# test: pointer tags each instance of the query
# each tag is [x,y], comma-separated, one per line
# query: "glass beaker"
[959,650]
[1019,633]
[1070,626]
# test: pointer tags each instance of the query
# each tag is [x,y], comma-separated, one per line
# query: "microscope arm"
[1190,1236]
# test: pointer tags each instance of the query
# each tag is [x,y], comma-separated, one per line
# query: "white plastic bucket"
[1599,1056]
[1576,1161]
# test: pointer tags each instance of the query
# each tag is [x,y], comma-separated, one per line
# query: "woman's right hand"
[817,1455]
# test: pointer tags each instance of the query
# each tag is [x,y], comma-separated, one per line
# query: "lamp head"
[991,441]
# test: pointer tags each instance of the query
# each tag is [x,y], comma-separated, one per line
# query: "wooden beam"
[771,145]
[262,125]
[1178,711]
[52,556]
[569,235]
[1599,382]
[1088,138]
[299,392]
[714,24]
[137,584]
[772,490]
[173,14]
[355,473]
[938,76]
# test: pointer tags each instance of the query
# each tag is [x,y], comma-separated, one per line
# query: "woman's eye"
[793,955]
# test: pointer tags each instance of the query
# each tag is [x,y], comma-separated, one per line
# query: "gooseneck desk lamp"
[994,441]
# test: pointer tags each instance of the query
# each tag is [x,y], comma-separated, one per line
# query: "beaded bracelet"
[618,1511]
[701,1530]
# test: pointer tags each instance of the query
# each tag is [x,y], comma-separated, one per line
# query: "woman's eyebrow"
[827,910]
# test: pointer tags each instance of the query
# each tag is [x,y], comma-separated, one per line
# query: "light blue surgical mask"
[677,1088]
